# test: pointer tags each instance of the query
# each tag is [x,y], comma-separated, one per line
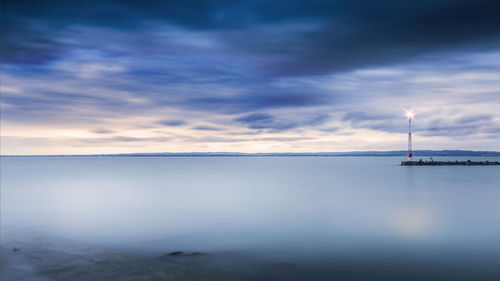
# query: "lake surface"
[269,218]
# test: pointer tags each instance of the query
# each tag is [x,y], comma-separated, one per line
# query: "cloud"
[318,120]
[206,128]
[27,42]
[258,98]
[360,116]
[102,131]
[121,139]
[329,69]
[374,121]
[462,125]
[256,117]
[431,125]
[316,37]
[265,121]
[475,118]
[172,122]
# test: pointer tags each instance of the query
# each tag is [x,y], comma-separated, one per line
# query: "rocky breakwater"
[449,163]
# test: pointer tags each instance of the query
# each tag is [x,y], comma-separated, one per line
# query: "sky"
[100,76]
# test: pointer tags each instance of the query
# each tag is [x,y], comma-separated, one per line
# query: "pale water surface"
[270,218]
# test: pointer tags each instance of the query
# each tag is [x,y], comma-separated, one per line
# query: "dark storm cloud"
[23,41]
[292,38]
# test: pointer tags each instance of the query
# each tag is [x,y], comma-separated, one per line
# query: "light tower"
[410,115]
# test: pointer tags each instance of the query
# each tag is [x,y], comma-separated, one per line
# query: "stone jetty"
[449,163]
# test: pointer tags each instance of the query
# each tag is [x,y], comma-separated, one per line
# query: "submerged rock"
[184,254]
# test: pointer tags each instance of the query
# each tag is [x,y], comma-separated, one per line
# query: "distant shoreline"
[398,153]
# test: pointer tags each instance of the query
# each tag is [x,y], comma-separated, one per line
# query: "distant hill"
[403,153]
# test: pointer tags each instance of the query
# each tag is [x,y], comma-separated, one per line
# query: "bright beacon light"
[409,114]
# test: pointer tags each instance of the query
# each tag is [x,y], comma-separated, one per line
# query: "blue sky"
[250,76]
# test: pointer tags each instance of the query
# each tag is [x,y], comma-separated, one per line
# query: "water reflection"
[412,219]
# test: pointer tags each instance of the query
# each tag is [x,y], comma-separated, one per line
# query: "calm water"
[270,218]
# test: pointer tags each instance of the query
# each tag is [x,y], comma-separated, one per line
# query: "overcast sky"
[101,76]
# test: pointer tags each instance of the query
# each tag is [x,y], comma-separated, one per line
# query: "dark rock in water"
[176,253]
[42,258]
[184,254]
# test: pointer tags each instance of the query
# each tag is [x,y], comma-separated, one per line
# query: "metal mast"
[410,152]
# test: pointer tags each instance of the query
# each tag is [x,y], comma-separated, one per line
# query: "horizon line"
[228,153]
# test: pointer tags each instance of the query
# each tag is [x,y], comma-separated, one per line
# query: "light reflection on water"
[313,212]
